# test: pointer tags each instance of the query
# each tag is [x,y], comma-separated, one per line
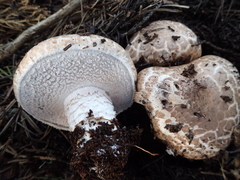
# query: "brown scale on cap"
[164,43]
[193,114]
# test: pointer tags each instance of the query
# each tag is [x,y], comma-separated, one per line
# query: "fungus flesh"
[194,107]
[80,83]
[164,43]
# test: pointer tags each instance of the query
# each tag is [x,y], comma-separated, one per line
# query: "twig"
[220,49]
[7,96]
[145,19]
[10,121]
[211,173]
[163,10]
[144,150]
[13,46]
[176,5]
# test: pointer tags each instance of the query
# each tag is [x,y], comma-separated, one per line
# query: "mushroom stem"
[97,139]
[79,84]
[100,147]
[88,102]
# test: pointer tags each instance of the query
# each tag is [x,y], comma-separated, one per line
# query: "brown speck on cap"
[183,105]
[84,34]
[198,114]
[94,44]
[103,40]
[189,72]
[207,111]
[169,27]
[85,47]
[226,98]
[190,136]
[175,38]
[90,113]
[149,38]
[67,47]
[174,128]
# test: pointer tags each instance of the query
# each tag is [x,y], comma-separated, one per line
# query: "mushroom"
[79,84]
[164,43]
[193,107]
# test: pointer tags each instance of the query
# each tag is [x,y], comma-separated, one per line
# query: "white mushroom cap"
[164,43]
[193,107]
[58,66]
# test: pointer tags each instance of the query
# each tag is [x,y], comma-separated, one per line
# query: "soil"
[106,153]
[32,150]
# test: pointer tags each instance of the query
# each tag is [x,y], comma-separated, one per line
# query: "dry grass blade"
[31,122]
[144,150]
[7,148]
[139,25]
[11,47]
[10,120]
[6,97]
[17,15]
[221,49]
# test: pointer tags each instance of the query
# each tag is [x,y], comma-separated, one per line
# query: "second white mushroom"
[164,43]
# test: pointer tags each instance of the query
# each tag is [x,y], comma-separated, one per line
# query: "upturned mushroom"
[164,43]
[79,84]
[193,107]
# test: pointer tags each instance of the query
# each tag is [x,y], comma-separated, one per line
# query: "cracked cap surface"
[193,107]
[164,43]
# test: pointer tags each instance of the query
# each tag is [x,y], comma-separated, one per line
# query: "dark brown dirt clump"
[105,154]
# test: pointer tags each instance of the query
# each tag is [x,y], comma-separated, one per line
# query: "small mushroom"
[79,84]
[193,107]
[164,43]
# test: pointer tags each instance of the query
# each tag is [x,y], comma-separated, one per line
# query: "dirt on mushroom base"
[105,154]
[32,150]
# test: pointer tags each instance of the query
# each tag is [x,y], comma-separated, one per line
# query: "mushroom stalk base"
[100,146]
[105,154]
[88,102]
